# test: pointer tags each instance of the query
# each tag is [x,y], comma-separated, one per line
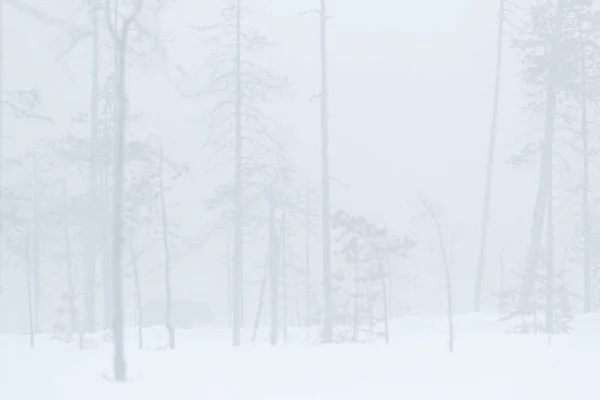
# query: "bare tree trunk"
[447,274]
[229,294]
[501,277]
[165,231]
[490,167]
[386,317]
[106,238]
[587,281]
[121,40]
[307,286]
[36,245]
[541,202]
[356,300]
[29,294]
[70,284]
[1,138]
[238,284]
[261,297]
[390,287]
[550,264]
[284,279]
[274,269]
[93,197]
[117,277]
[326,217]
[297,301]
[138,292]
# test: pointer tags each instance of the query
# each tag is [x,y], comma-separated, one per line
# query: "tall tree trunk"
[105,210]
[37,291]
[274,268]
[550,264]
[487,200]
[307,286]
[1,139]
[284,278]
[121,40]
[165,236]
[529,278]
[94,171]
[118,181]
[587,280]
[326,217]
[238,284]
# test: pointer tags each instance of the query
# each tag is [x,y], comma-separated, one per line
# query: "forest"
[320,171]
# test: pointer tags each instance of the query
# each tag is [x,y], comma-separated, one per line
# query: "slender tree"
[585,204]
[274,266]
[327,333]
[71,294]
[167,251]
[239,125]
[95,222]
[487,200]
[435,218]
[238,240]
[121,40]
[544,183]
[1,138]
[37,281]
[29,294]
[325,176]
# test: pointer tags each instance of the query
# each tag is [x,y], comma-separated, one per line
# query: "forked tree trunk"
[261,297]
[487,200]
[121,41]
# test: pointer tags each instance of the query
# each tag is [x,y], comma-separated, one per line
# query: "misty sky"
[411,98]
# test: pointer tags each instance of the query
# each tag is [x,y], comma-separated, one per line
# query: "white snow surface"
[488,364]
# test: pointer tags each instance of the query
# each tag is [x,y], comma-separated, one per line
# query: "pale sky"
[411,98]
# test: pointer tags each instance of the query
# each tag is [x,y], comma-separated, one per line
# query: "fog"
[410,93]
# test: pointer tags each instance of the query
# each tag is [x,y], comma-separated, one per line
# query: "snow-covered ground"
[487,365]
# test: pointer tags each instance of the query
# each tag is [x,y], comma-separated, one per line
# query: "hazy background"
[411,99]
